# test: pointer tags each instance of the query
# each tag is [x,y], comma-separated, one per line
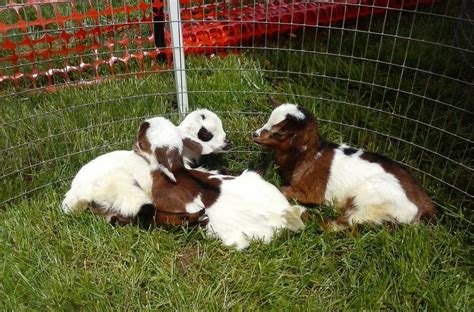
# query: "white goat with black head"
[238,208]
[118,184]
[368,187]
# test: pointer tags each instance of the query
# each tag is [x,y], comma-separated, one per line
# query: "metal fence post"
[178,55]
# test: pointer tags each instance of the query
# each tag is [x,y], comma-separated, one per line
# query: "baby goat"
[367,186]
[238,208]
[118,184]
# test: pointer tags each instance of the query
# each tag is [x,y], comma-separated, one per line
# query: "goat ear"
[142,143]
[193,146]
[196,147]
[273,103]
[168,159]
[142,130]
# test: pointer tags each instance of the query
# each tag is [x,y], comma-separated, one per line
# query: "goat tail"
[72,203]
[293,218]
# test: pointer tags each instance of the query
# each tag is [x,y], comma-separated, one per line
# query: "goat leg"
[289,192]
[301,196]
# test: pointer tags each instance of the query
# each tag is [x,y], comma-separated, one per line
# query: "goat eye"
[279,135]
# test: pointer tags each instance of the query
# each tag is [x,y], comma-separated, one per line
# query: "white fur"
[196,205]
[250,208]
[378,195]
[118,180]
[162,133]
[279,114]
[203,169]
[109,180]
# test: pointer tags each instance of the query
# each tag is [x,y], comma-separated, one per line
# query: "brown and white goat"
[237,208]
[367,186]
[117,185]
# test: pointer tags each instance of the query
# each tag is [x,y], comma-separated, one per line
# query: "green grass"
[54,261]
[71,262]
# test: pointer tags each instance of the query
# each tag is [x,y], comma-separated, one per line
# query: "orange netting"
[58,41]
[52,42]
[217,25]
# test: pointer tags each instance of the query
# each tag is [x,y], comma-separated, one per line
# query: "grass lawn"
[63,262]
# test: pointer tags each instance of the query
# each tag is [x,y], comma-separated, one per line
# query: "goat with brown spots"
[117,185]
[367,186]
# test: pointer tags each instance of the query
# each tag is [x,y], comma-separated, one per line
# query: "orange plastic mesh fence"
[44,43]
[56,42]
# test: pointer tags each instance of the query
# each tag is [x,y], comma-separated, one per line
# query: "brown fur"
[192,146]
[341,223]
[170,158]
[97,209]
[170,211]
[142,141]
[172,218]
[274,103]
[309,176]
[173,197]
[304,160]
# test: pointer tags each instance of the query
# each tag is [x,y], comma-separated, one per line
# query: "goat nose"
[255,134]
[203,220]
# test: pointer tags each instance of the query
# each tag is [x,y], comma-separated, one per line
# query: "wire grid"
[385,101]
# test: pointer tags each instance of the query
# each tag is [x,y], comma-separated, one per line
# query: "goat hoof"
[203,220]
[113,220]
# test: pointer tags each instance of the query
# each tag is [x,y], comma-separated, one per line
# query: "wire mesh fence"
[390,76]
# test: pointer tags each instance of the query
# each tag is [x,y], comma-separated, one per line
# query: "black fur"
[307,114]
[291,122]
[348,151]
[205,135]
[323,144]
[145,215]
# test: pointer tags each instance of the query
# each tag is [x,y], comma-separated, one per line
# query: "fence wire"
[395,77]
